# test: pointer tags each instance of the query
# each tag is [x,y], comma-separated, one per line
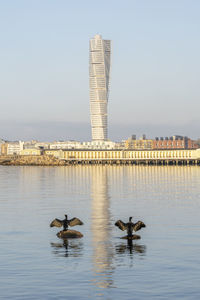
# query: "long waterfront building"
[148,156]
[99,71]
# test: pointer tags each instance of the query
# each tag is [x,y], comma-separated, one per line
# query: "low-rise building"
[58,153]
[42,145]
[1,143]
[141,144]
[99,145]
[30,151]
[12,148]
[65,145]
[174,142]
[126,155]
[198,142]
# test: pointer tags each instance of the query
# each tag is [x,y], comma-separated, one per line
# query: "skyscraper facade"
[99,70]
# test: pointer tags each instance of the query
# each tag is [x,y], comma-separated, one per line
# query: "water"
[163,264]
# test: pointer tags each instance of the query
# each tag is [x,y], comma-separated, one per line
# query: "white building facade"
[65,145]
[14,147]
[99,145]
[99,72]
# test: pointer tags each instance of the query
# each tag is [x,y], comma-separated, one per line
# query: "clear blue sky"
[155,75]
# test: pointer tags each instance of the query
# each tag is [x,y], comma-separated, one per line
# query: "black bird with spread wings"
[65,223]
[130,226]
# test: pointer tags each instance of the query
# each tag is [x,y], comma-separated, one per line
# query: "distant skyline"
[155,72]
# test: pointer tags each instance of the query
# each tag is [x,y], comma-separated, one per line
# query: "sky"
[44,64]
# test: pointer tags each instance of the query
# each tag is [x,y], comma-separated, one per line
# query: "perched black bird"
[130,226]
[65,223]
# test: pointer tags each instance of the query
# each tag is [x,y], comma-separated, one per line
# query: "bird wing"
[74,222]
[57,223]
[137,226]
[121,225]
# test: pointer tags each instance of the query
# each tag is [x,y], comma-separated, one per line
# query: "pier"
[62,157]
[128,157]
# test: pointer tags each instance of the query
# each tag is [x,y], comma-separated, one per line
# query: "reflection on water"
[104,248]
[68,248]
[102,224]
[166,198]
[131,248]
[101,229]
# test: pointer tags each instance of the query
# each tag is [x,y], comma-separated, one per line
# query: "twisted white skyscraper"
[99,70]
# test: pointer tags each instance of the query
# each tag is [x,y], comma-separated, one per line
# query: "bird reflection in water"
[131,248]
[103,251]
[68,248]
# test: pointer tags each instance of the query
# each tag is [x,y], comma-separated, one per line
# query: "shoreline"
[50,160]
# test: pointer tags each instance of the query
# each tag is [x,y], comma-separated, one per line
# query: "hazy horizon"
[44,74]
[51,131]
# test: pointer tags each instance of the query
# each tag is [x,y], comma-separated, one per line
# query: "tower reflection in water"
[101,227]
[107,253]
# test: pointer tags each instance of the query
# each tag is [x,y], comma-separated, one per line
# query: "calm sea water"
[163,264]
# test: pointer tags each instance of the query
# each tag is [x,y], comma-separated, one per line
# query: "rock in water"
[69,234]
[133,237]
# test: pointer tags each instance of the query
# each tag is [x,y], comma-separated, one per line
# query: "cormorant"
[65,223]
[130,226]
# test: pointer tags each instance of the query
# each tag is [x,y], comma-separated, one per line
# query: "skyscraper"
[99,71]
